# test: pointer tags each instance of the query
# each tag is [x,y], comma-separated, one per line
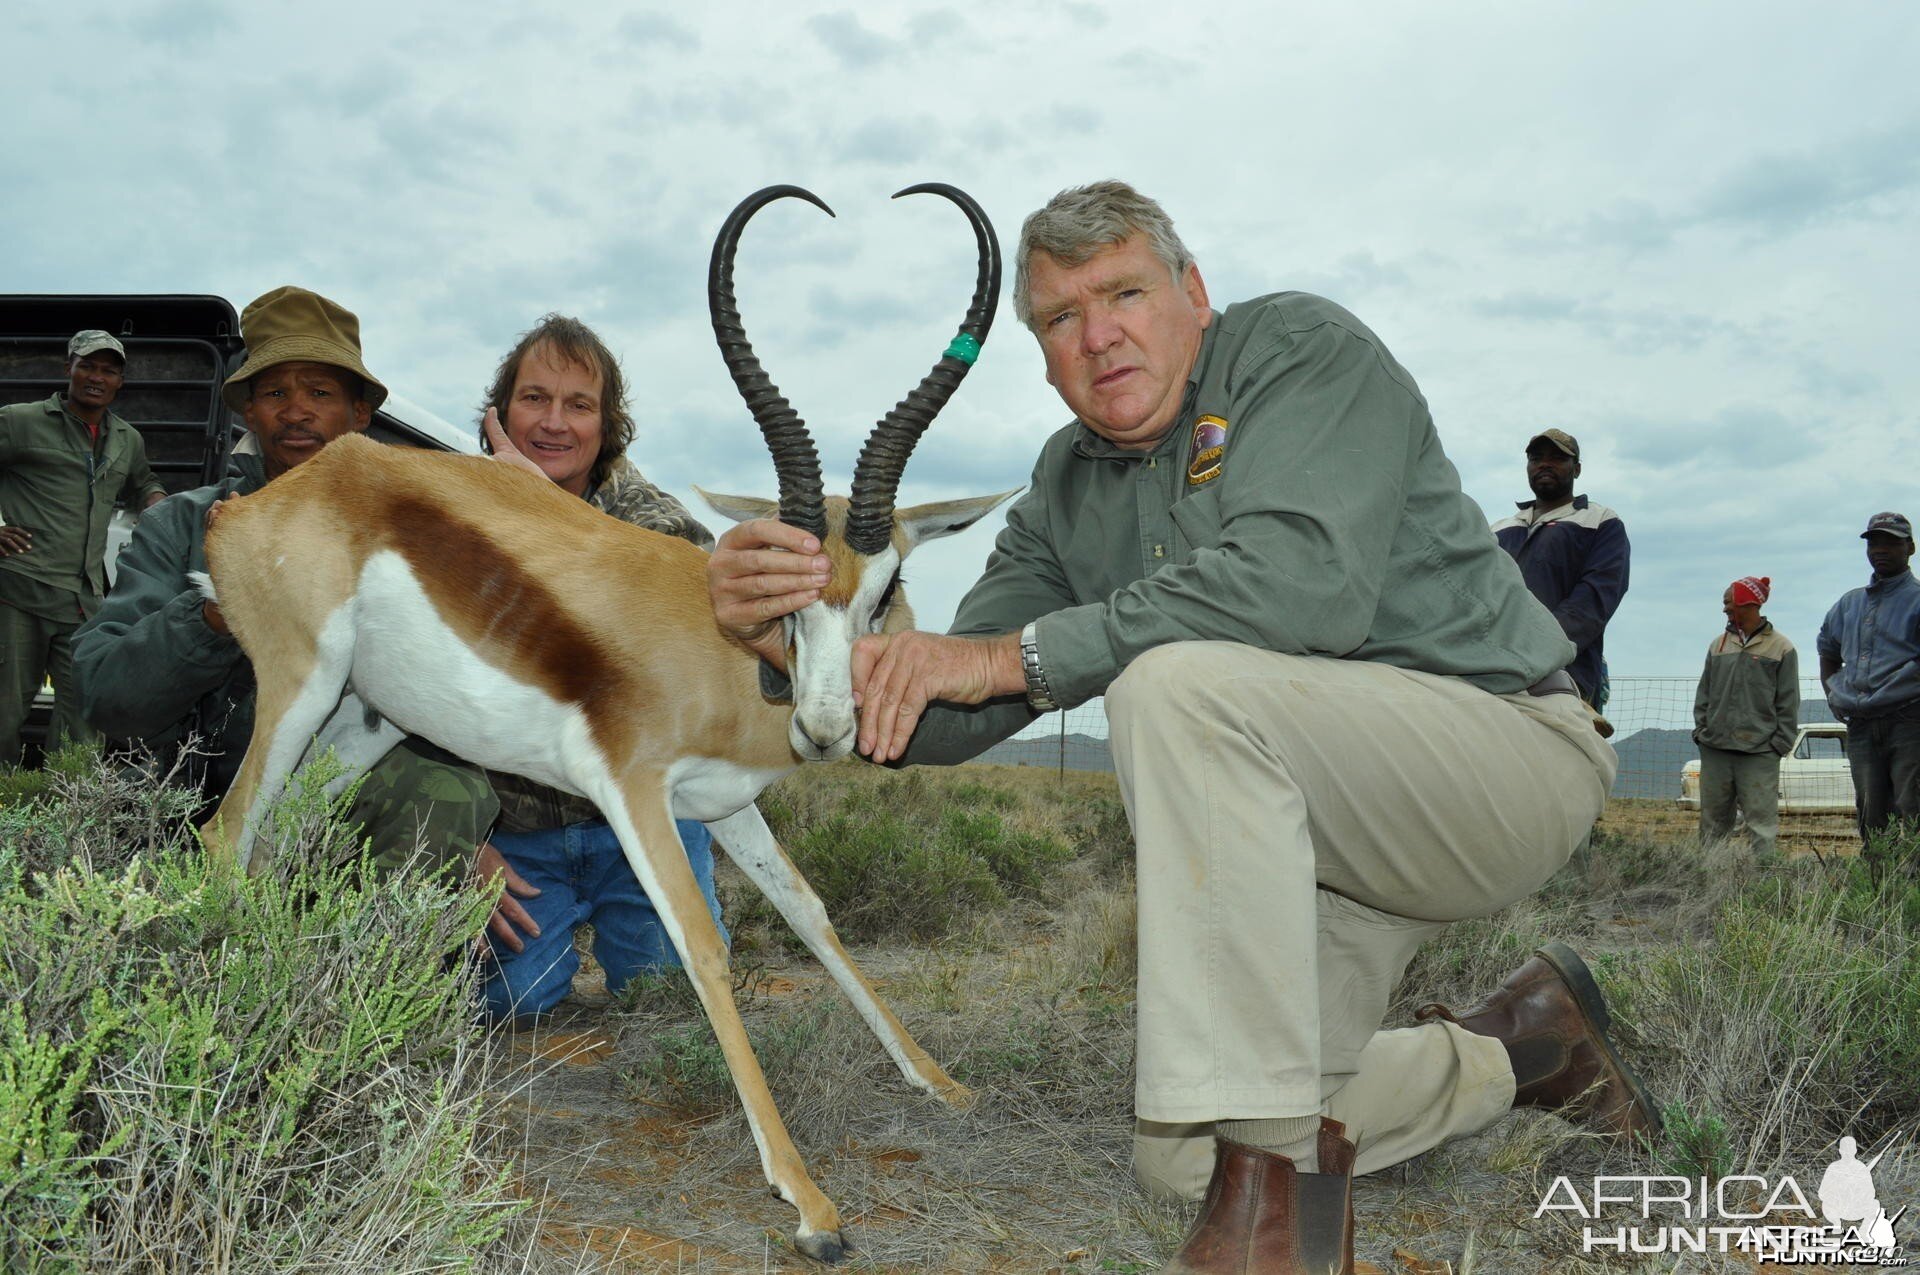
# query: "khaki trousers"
[1750,781]
[1302,824]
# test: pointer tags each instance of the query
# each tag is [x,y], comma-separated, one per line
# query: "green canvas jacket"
[63,486]
[1329,522]
[147,667]
[1748,700]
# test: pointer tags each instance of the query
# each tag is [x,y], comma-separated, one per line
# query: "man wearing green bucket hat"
[157,663]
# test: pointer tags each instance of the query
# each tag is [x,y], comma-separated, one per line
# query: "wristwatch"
[1039,694]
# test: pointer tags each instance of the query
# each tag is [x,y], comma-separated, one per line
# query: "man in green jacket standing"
[1338,720]
[64,463]
[1745,715]
[158,664]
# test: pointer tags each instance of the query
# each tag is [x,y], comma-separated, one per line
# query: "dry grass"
[1030,1002]
[1774,1006]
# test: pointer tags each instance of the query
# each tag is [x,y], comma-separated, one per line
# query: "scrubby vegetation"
[202,1071]
[205,1071]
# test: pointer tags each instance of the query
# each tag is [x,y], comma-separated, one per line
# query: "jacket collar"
[56,406]
[1893,583]
[249,468]
[1528,515]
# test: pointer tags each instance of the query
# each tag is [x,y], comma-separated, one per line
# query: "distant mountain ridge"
[1080,752]
[1650,759]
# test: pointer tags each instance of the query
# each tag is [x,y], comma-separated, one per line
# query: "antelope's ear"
[739,508]
[922,523]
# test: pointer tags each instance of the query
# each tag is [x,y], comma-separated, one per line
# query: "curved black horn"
[795,462]
[876,475]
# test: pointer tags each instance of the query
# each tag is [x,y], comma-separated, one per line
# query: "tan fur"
[496,549]
[844,575]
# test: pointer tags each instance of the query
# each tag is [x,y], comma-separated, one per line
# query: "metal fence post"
[1063,748]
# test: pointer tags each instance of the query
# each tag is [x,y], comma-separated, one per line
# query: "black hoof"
[826,1247]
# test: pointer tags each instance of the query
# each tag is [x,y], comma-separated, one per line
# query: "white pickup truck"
[1814,777]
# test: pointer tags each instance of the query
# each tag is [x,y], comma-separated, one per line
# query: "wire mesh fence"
[1652,719]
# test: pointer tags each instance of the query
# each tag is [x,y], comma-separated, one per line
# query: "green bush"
[906,859]
[1804,1008]
[204,1070]
[19,786]
[1696,1146]
[685,1060]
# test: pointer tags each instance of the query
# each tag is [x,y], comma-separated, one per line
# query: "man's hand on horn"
[896,675]
[760,571]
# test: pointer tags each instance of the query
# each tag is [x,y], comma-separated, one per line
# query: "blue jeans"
[583,875]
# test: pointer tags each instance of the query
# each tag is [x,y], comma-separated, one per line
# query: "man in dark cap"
[1745,715]
[158,664]
[64,463]
[1870,666]
[1573,555]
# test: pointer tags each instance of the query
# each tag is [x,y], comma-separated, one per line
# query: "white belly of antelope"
[469,707]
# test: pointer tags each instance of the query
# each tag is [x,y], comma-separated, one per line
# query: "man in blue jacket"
[1870,666]
[1572,554]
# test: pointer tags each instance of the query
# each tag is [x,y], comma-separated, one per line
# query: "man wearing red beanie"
[1745,715]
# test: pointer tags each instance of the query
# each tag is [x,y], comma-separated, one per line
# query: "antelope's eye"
[886,600]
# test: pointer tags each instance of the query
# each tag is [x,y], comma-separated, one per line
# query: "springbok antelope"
[481,607]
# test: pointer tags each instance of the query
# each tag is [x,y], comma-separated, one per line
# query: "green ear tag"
[964,348]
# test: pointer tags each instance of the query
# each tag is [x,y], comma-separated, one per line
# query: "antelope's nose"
[823,735]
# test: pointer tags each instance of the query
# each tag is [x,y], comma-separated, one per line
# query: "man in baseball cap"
[1573,554]
[92,341]
[158,663]
[1870,666]
[1889,524]
[65,462]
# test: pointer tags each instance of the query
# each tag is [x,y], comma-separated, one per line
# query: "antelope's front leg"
[753,849]
[644,825]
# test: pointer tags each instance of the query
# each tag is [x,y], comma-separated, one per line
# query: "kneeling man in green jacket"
[157,663]
[1339,722]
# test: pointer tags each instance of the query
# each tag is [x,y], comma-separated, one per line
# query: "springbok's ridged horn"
[876,475]
[795,462]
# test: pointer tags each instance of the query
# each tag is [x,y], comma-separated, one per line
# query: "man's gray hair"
[1081,220]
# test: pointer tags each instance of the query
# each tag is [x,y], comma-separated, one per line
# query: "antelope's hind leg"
[358,736]
[296,694]
[752,847]
[644,824]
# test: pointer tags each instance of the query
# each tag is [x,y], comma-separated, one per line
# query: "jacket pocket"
[1197,520]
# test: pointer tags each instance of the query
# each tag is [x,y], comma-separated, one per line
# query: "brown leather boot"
[1551,1017]
[1261,1216]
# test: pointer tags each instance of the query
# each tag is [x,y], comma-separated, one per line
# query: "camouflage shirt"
[526,806]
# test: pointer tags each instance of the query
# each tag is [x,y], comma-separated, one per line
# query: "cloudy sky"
[1685,233]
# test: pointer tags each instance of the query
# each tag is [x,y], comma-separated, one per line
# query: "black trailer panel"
[179,351]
